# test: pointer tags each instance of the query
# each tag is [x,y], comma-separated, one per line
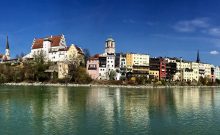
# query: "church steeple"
[198,58]
[7,50]
[110,46]
[7,43]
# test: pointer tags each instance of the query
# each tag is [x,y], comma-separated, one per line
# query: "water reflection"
[62,110]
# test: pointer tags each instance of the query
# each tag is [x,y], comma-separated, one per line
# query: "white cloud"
[191,25]
[214,31]
[214,52]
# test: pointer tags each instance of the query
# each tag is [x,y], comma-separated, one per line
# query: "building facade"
[138,63]
[93,67]
[54,49]
[159,64]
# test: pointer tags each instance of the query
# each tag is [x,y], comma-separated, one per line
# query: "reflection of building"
[192,100]
[62,98]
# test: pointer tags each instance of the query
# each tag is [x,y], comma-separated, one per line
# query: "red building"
[159,64]
[162,69]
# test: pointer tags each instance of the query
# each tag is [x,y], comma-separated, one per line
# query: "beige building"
[187,71]
[63,70]
[195,67]
[208,70]
[187,74]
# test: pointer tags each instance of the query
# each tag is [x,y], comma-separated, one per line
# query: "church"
[6,56]
[55,49]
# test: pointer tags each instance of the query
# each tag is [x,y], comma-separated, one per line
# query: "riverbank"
[101,85]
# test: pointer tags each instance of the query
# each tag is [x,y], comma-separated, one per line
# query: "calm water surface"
[108,111]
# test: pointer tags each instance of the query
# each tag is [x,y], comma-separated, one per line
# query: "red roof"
[95,57]
[55,41]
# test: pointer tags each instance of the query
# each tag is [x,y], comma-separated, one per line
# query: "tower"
[110,46]
[198,58]
[7,50]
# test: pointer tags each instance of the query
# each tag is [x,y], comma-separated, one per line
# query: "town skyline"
[135,26]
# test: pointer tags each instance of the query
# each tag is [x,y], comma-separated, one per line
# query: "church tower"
[198,58]
[110,46]
[7,50]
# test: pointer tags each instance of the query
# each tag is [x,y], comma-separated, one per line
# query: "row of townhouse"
[100,66]
[192,71]
[179,69]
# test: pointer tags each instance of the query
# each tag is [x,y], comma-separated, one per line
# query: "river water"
[108,111]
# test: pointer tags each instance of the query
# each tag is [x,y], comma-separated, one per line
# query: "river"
[108,111]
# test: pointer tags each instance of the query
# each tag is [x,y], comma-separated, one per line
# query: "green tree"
[112,75]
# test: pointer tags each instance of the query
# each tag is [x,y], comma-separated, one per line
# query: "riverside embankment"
[101,85]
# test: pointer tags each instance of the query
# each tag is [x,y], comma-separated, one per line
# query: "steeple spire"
[198,58]
[7,43]
[7,50]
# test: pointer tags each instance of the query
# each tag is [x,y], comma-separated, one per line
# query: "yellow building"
[74,53]
[129,61]
[154,73]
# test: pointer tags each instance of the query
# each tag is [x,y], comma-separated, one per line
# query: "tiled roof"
[55,41]
[38,43]
[94,57]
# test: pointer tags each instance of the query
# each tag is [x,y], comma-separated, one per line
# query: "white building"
[217,72]
[107,60]
[54,49]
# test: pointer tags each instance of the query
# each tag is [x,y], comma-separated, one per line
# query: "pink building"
[93,67]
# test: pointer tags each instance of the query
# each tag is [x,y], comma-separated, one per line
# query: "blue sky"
[156,27]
